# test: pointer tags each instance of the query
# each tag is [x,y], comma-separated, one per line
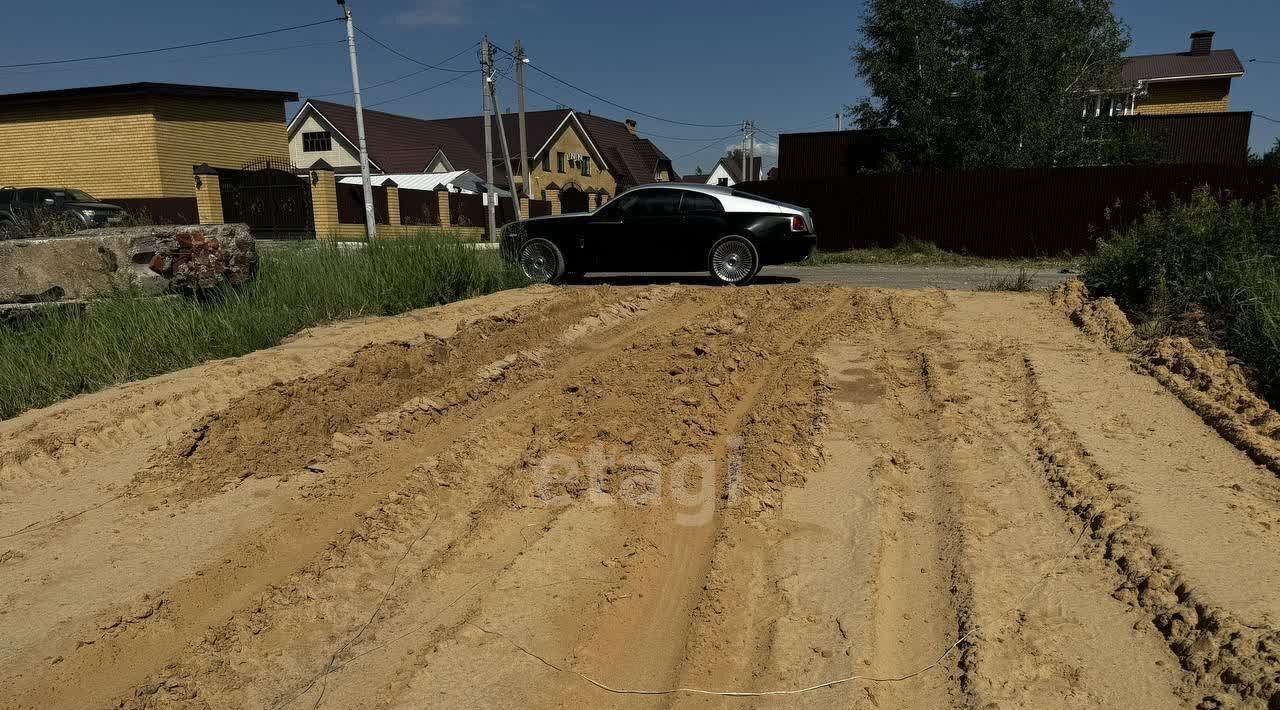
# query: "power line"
[423,91]
[264,50]
[705,147]
[191,45]
[406,57]
[1265,61]
[399,78]
[618,105]
[1266,118]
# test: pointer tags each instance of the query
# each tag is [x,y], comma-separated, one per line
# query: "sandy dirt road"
[649,497]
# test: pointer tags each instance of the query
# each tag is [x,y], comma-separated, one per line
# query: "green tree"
[990,83]
[1270,159]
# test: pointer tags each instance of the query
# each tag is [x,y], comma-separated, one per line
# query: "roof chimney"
[1201,43]
[631,125]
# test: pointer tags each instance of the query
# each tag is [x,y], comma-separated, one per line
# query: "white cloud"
[433,12]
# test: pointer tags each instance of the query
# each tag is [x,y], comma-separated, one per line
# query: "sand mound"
[1099,318]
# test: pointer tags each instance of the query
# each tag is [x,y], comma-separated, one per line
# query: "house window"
[318,142]
[559,162]
[586,166]
[723,182]
[546,162]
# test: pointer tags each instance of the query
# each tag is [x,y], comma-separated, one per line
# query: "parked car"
[76,208]
[665,227]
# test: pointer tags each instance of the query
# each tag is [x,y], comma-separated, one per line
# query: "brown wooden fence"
[1000,213]
[351,204]
[466,210]
[419,206]
[539,208]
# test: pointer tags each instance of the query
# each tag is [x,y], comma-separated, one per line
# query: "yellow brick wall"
[221,132]
[569,141]
[1203,96]
[106,147]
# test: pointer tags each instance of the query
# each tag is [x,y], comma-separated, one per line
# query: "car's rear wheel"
[541,261]
[733,261]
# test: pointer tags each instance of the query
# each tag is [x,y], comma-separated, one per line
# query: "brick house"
[136,140]
[581,157]
[1192,82]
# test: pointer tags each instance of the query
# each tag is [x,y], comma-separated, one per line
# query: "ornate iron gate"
[269,196]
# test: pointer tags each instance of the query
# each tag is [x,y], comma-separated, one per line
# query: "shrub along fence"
[1010,213]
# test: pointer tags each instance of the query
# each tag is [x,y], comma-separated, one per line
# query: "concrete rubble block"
[155,259]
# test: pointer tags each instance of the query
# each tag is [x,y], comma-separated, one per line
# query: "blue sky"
[783,65]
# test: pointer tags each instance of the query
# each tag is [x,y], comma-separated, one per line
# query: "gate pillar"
[324,200]
[208,194]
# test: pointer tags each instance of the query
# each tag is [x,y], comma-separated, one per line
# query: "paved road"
[877,275]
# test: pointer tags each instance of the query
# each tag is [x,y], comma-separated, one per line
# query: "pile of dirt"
[1219,390]
[1099,318]
[1204,377]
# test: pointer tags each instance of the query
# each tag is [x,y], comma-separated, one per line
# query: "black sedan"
[664,227]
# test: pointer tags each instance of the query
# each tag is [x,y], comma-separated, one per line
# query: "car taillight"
[798,224]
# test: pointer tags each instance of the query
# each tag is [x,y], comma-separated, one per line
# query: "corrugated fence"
[1009,213]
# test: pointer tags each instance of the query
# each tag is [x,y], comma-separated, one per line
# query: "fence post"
[553,196]
[524,206]
[393,201]
[324,199]
[208,194]
[442,194]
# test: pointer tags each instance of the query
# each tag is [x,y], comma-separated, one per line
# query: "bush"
[122,337]
[1206,255]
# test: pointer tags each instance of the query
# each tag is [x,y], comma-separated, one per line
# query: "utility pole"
[370,219]
[524,140]
[745,124]
[751,152]
[506,151]
[839,121]
[486,63]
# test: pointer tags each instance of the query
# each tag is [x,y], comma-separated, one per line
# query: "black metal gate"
[270,197]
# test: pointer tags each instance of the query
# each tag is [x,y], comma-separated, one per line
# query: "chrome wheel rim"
[732,261]
[538,261]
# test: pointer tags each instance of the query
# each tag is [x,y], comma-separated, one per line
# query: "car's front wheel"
[541,261]
[734,261]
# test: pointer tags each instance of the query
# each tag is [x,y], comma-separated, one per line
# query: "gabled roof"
[696,179]
[1181,65]
[402,144]
[734,168]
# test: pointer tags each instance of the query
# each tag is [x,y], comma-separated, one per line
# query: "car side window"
[698,203]
[656,203]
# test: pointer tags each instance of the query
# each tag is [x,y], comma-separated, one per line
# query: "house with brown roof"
[576,154]
[1191,82]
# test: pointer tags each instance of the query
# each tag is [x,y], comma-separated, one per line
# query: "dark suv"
[20,207]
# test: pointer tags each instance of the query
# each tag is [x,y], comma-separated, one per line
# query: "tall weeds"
[122,337]
[1216,258]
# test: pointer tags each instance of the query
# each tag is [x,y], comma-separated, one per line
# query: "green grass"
[1020,281]
[1215,258]
[916,252]
[121,337]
